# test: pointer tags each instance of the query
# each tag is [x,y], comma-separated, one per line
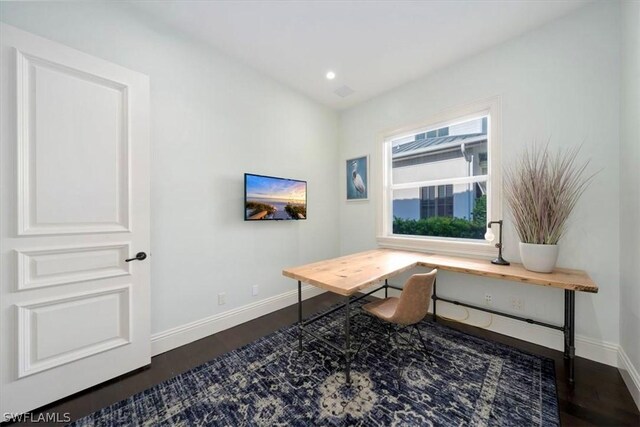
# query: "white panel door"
[74,177]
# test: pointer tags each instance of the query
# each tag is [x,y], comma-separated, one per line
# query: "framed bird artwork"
[358,178]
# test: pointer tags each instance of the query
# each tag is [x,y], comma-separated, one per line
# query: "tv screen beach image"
[274,198]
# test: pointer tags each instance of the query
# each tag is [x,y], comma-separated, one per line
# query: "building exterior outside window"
[448,153]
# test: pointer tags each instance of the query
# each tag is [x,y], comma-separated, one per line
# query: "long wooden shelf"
[349,274]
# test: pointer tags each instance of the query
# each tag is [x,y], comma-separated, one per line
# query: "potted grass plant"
[541,189]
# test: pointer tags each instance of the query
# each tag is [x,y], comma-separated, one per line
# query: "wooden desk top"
[349,274]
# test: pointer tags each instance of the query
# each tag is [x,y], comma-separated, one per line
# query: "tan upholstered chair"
[411,307]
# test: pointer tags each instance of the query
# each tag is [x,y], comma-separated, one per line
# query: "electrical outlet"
[254,290]
[517,303]
[488,300]
[222,298]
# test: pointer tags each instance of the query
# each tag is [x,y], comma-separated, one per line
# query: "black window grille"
[436,201]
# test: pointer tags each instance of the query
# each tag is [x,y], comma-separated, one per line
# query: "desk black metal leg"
[347,342]
[570,346]
[300,326]
[565,329]
[434,297]
[386,288]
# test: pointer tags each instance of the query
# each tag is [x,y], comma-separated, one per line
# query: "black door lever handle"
[139,257]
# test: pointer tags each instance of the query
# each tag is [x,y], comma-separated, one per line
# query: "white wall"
[559,82]
[630,200]
[212,120]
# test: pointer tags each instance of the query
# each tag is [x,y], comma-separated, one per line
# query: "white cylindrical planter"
[539,258]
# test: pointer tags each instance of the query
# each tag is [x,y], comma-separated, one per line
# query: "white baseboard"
[630,375]
[599,351]
[589,348]
[185,334]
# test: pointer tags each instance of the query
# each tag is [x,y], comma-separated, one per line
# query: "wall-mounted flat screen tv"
[271,198]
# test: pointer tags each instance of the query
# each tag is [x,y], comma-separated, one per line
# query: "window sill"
[467,248]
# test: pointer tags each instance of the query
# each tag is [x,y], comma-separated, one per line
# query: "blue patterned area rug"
[465,380]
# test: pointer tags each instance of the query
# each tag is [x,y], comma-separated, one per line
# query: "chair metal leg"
[426,350]
[387,330]
[395,345]
[434,297]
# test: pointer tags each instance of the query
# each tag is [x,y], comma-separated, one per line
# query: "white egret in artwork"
[357,179]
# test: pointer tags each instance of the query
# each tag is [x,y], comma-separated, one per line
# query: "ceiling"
[372,46]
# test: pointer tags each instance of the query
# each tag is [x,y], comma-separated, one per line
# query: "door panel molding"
[43,341]
[28,66]
[59,265]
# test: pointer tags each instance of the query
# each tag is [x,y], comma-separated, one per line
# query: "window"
[440,182]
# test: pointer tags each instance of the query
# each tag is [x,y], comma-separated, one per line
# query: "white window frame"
[383,166]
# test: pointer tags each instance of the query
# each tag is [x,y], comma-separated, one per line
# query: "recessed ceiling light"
[331,75]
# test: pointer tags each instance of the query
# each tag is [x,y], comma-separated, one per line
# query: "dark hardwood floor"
[599,398]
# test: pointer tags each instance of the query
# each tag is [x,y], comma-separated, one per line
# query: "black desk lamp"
[489,236]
